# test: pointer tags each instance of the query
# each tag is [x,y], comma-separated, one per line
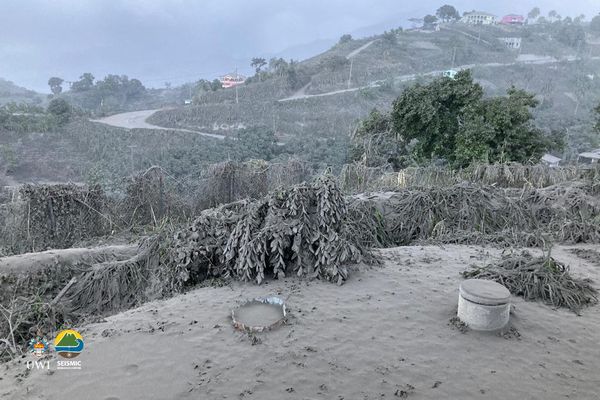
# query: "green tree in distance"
[430,19]
[447,13]
[595,24]
[449,119]
[345,38]
[597,115]
[60,109]
[85,82]
[55,84]
[257,63]
[534,13]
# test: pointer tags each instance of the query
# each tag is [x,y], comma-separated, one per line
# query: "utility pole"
[350,75]
[131,147]
[453,57]
[237,99]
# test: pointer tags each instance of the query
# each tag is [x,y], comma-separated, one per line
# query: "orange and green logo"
[38,346]
[68,343]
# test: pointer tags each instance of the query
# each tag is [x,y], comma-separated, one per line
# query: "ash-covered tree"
[534,13]
[430,114]
[55,84]
[597,117]
[85,82]
[572,35]
[374,144]
[429,20]
[257,63]
[447,13]
[390,38]
[254,143]
[335,63]
[595,24]
[449,119]
[216,85]
[500,129]
[61,110]
[345,38]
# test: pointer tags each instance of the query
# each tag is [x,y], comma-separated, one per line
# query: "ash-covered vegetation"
[362,147]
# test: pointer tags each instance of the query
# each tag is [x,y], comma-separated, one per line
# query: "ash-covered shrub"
[303,230]
[539,278]
[57,216]
[475,214]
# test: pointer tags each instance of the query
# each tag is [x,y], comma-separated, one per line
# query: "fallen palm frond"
[539,278]
[117,285]
[477,214]
[517,175]
[35,288]
[358,177]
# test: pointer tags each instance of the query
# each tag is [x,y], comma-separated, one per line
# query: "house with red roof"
[512,19]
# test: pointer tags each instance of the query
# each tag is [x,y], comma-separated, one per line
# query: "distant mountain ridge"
[10,92]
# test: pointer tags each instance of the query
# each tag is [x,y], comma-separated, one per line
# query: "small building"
[589,157]
[449,74]
[479,18]
[231,80]
[512,19]
[511,42]
[550,160]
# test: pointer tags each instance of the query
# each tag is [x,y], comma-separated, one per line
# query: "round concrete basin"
[483,305]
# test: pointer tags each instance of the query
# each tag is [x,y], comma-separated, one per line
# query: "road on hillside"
[301,93]
[138,120]
[361,48]
[525,59]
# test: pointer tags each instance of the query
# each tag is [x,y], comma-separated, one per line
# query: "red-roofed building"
[512,19]
[231,80]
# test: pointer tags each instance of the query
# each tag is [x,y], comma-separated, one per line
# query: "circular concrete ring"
[483,305]
[270,300]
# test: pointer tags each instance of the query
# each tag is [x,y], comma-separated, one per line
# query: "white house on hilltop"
[479,18]
[511,42]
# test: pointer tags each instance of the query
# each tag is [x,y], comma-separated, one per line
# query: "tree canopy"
[534,13]
[85,82]
[257,63]
[597,115]
[55,84]
[345,38]
[449,119]
[447,13]
[595,24]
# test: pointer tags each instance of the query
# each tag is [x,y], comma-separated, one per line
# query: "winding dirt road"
[525,59]
[138,120]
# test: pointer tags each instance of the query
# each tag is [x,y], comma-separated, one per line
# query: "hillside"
[310,106]
[328,101]
[9,92]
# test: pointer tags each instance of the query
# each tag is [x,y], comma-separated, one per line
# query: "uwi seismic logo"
[68,343]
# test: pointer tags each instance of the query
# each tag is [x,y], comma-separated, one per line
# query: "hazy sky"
[183,40]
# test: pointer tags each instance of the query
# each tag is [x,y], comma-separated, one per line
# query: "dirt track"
[525,59]
[138,120]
